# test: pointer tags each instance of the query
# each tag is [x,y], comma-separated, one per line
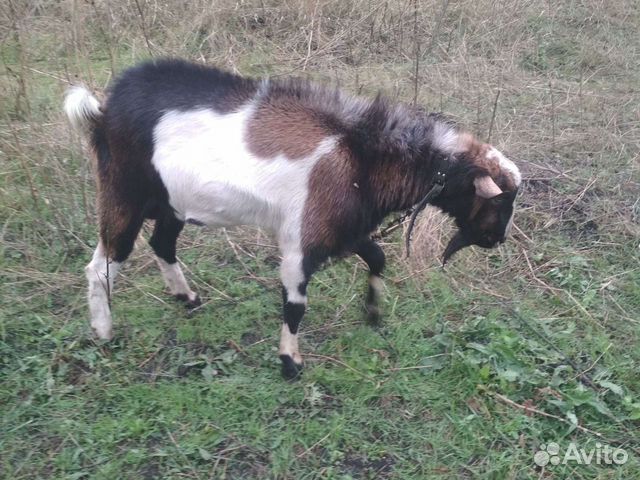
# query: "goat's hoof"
[290,370]
[103,333]
[189,303]
[374,318]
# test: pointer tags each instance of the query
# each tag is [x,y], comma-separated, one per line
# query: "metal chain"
[392,225]
[434,191]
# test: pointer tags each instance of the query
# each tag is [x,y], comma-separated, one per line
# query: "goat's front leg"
[373,255]
[294,297]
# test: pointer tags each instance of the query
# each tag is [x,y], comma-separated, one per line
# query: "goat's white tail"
[82,108]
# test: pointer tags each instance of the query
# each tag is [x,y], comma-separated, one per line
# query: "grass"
[475,368]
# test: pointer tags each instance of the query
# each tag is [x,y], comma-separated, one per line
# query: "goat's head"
[480,195]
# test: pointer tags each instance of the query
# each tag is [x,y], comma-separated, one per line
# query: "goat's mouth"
[487,243]
[460,241]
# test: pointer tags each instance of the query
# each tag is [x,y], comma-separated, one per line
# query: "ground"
[476,368]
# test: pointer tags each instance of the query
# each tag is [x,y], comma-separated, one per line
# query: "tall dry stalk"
[493,115]
[143,27]
[22,99]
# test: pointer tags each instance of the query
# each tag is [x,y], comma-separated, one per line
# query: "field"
[477,367]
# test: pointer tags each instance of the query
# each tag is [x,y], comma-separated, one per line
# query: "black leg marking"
[293,313]
[290,369]
[292,316]
[164,237]
[374,257]
[295,274]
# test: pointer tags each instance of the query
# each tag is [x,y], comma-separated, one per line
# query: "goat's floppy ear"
[486,187]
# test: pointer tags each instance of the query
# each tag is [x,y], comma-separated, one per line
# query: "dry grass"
[553,117]
[554,86]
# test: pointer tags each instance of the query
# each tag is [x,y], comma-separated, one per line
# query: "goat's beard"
[457,243]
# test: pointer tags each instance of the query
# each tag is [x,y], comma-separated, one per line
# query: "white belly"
[212,177]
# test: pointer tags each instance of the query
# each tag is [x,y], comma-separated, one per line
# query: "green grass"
[550,321]
[171,396]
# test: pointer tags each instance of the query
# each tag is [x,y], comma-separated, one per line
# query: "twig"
[622,310]
[335,41]
[595,361]
[149,358]
[521,232]
[313,20]
[493,115]
[553,118]
[315,444]
[416,46]
[23,162]
[46,74]
[526,408]
[559,290]
[478,116]
[107,278]
[417,367]
[339,362]
[207,284]
[144,27]
[173,440]
[581,99]
[258,342]
[236,347]
[582,193]
[427,52]
[583,377]
[235,249]
[14,17]
[105,35]
[488,292]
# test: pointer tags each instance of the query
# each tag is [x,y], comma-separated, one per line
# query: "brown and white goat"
[178,142]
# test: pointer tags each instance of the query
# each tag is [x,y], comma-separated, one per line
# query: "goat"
[183,143]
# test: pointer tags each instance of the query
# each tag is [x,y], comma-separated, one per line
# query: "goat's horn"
[486,187]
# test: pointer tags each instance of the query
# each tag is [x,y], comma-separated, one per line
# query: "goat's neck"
[400,184]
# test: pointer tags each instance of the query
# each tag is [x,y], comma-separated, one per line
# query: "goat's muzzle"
[460,241]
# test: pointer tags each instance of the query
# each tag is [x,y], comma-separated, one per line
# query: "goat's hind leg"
[100,273]
[163,241]
[118,231]
[374,257]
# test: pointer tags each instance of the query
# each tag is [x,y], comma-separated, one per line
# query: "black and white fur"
[183,143]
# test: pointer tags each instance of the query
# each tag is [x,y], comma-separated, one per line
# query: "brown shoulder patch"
[284,126]
[332,194]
